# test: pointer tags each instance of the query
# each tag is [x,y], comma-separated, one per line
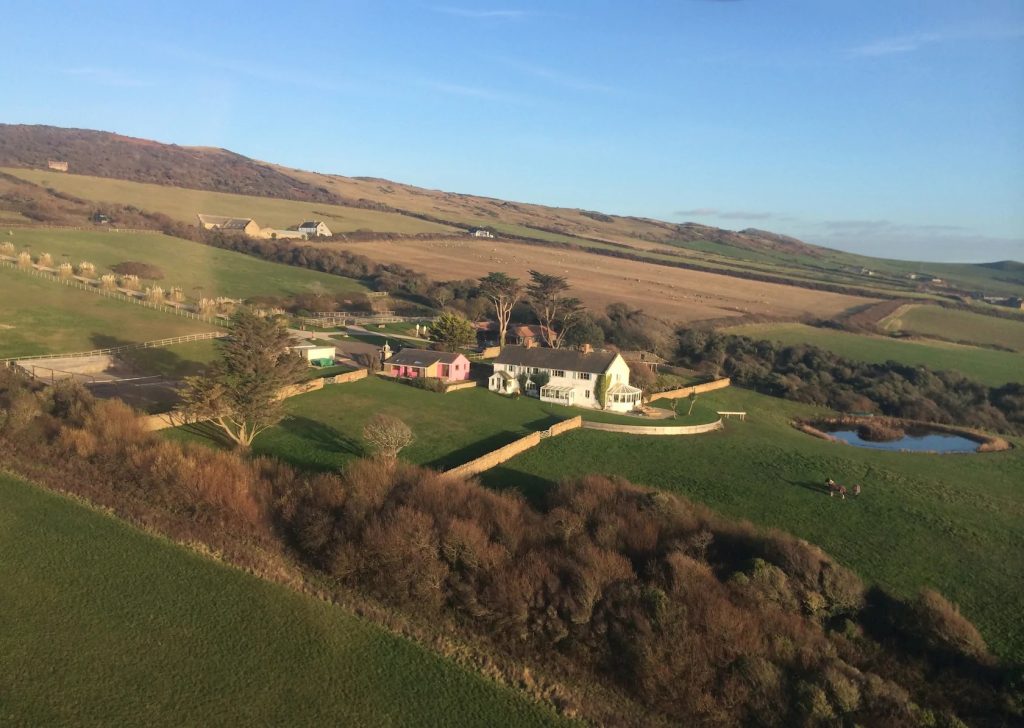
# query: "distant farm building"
[528,335]
[57,165]
[316,228]
[245,225]
[481,233]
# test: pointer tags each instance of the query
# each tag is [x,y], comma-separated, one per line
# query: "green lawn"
[106,625]
[38,316]
[183,204]
[324,428]
[954,522]
[199,270]
[985,365]
[957,325]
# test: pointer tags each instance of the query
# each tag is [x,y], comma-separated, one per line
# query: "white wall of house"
[582,383]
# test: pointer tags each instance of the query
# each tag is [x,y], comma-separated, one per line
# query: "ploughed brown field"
[674,294]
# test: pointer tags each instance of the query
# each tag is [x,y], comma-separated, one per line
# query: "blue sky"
[890,127]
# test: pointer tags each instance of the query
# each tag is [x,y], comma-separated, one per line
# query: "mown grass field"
[953,522]
[200,270]
[106,625]
[39,316]
[183,204]
[957,325]
[985,365]
[324,428]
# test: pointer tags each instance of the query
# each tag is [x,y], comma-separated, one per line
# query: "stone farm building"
[572,376]
[316,228]
[416,363]
[246,226]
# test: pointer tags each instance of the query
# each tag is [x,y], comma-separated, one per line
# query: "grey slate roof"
[596,362]
[422,357]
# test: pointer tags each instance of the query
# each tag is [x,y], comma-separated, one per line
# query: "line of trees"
[806,373]
[626,606]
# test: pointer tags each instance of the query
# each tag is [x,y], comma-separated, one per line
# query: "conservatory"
[623,397]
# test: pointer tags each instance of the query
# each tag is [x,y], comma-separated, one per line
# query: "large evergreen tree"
[451,332]
[240,393]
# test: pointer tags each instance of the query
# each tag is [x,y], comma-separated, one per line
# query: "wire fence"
[118,349]
[119,295]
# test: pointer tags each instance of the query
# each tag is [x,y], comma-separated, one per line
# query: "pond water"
[915,440]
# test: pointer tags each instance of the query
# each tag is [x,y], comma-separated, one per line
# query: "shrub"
[431,384]
[938,623]
[139,270]
[45,260]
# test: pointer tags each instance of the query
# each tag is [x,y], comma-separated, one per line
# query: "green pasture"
[199,270]
[39,316]
[958,325]
[952,522]
[323,430]
[184,204]
[984,365]
[106,625]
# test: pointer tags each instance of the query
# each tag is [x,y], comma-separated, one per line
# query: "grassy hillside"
[198,269]
[105,625]
[985,365]
[38,316]
[183,204]
[953,522]
[956,325]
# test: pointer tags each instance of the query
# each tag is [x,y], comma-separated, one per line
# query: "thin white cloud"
[480,14]
[475,92]
[725,214]
[557,78]
[268,74]
[915,41]
[106,77]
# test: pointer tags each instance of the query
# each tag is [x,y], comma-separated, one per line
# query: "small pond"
[915,440]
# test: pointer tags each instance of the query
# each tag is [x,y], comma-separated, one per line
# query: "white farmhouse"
[315,228]
[572,377]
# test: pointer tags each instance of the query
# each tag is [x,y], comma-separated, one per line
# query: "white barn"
[572,377]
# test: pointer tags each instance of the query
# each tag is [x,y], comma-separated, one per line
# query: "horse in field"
[834,488]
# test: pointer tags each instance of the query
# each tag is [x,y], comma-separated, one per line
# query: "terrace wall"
[503,454]
[695,389]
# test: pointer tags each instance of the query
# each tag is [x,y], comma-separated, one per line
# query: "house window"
[511,368]
[557,373]
[583,375]
[586,394]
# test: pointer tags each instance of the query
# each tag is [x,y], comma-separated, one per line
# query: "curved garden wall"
[649,430]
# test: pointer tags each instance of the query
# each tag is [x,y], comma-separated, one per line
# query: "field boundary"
[156,343]
[507,452]
[695,389]
[76,282]
[648,430]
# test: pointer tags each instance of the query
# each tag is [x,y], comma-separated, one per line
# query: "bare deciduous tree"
[386,436]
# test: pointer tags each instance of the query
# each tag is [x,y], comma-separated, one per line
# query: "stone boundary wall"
[695,389]
[650,430]
[456,386]
[503,454]
[163,421]
[353,376]
[301,388]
